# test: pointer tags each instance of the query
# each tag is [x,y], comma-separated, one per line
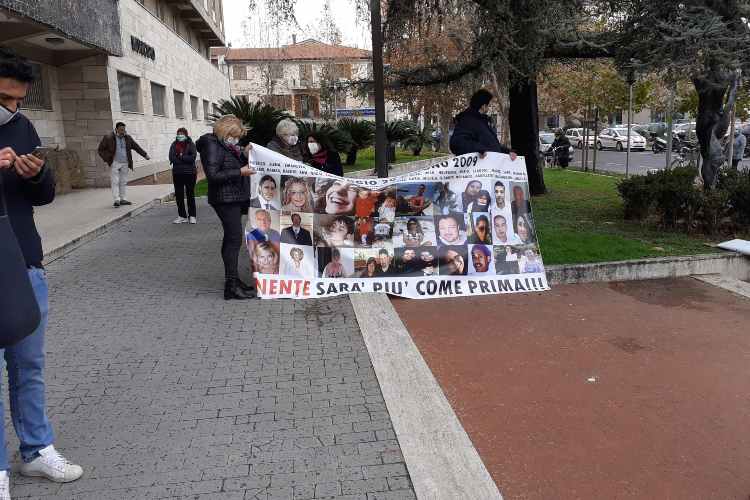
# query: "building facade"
[143,62]
[310,79]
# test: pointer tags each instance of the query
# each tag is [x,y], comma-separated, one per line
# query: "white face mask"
[6,115]
[232,141]
[314,147]
[292,140]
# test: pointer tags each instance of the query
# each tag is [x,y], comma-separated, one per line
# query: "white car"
[618,138]
[575,136]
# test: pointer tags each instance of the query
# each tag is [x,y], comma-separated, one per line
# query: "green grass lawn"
[580,220]
[366,158]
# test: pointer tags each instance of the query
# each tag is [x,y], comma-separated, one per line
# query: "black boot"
[248,289]
[232,290]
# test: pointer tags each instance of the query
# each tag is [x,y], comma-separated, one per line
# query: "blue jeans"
[25,363]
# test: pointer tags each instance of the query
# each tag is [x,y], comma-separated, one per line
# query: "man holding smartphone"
[116,151]
[26,182]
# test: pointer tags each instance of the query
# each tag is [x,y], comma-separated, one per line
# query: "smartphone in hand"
[41,152]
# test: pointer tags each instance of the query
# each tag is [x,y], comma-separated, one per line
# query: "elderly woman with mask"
[286,141]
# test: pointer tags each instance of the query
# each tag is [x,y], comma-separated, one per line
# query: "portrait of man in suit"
[296,234]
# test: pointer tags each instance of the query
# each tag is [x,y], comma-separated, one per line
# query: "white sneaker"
[53,466]
[4,485]
[179,220]
[193,220]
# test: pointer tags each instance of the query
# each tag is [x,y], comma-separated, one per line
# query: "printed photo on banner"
[525,229]
[419,261]
[387,205]
[500,197]
[520,204]
[415,198]
[334,230]
[453,260]
[502,232]
[265,258]
[518,259]
[479,229]
[482,263]
[473,194]
[335,196]
[374,262]
[414,232]
[262,226]
[445,200]
[297,193]
[383,231]
[297,261]
[335,262]
[364,231]
[296,228]
[266,189]
[451,229]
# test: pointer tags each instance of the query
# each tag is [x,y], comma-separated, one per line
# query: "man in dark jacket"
[296,234]
[474,132]
[26,182]
[116,151]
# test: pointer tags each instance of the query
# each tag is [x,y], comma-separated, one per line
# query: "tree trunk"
[712,121]
[351,156]
[445,127]
[524,130]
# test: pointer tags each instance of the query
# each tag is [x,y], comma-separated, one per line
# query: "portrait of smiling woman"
[296,194]
[335,197]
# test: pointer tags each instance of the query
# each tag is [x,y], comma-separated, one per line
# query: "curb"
[730,264]
[442,461]
[64,249]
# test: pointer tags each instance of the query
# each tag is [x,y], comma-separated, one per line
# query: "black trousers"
[184,185]
[230,215]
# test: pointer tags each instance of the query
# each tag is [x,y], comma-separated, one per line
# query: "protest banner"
[459,227]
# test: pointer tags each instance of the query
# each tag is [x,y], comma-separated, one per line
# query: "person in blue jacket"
[474,132]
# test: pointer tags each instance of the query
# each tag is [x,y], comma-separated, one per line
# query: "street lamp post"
[631,81]
[381,160]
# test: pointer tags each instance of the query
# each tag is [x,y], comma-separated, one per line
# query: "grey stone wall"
[93,22]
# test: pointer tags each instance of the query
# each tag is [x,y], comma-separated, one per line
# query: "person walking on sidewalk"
[228,174]
[116,149]
[26,182]
[182,155]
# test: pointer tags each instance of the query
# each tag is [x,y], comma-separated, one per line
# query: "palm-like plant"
[260,118]
[400,130]
[333,139]
[418,141]
[361,133]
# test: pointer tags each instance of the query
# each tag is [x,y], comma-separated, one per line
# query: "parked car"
[618,138]
[545,141]
[575,136]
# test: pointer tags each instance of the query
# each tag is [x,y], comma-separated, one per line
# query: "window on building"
[343,71]
[193,107]
[159,99]
[38,96]
[215,108]
[307,106]
[277,71]
[205,109]
[278,101]
[129,87]
[239,72]
[340,99]
[371,99]
[305,74]
[179,104]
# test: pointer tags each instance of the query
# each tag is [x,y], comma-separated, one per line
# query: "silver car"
[575,136]
[617,138]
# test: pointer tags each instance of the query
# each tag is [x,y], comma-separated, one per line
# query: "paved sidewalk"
[77,214]
[161,389]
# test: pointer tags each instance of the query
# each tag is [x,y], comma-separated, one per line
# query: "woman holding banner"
[318,155]
[228,174]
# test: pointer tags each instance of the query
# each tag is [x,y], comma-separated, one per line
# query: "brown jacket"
[108,146]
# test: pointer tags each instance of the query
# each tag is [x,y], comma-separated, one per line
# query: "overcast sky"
[308,12]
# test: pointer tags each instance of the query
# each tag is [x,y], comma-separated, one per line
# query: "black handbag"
[19,310]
